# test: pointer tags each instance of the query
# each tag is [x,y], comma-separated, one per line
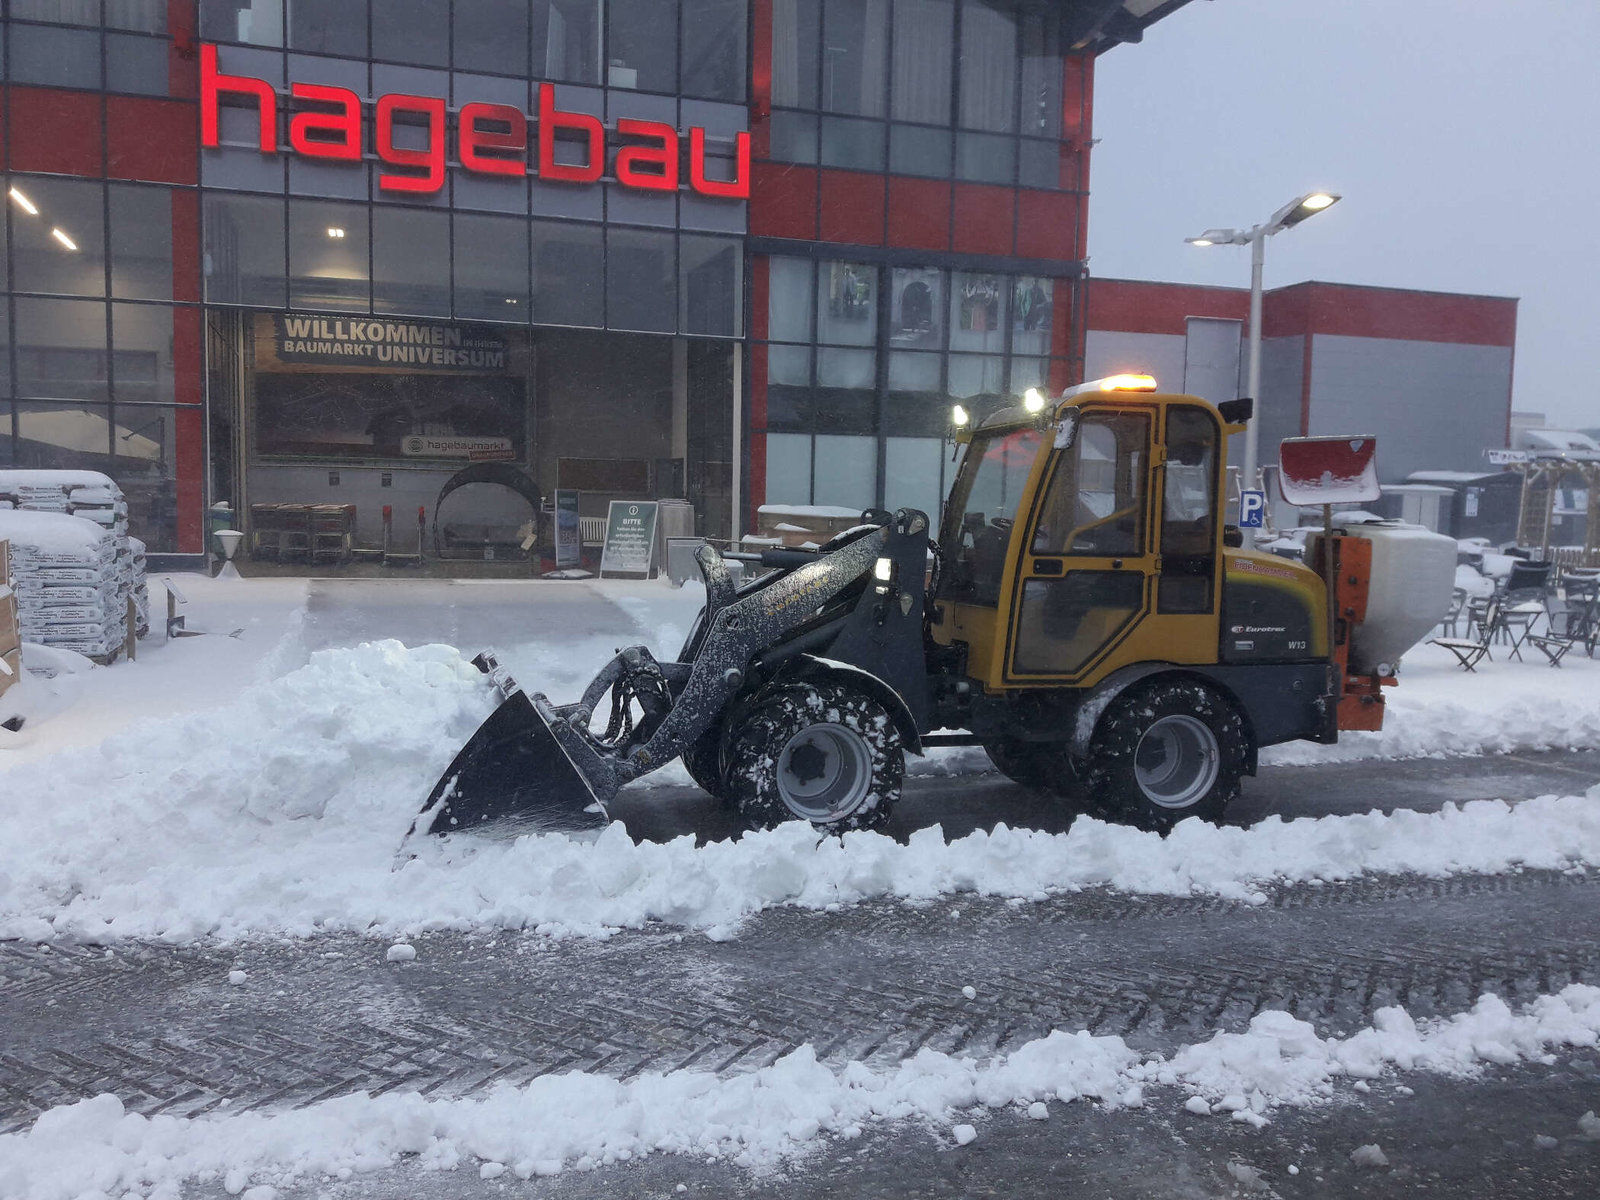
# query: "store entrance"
[340,440]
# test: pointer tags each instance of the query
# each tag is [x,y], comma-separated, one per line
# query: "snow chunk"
[237,977]
[964,1134]
[401,952]
[1039,1111]
[970,992]
[1589,1125]
[1370,1155]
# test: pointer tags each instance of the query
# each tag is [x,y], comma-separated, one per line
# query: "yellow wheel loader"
[1084,615]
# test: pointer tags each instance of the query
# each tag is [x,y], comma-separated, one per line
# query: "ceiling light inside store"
[26,204]
[63,239]
[511,299]
[335,232]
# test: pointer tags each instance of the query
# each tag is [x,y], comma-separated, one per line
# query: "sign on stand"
[630,538]
[569,534]
[1252,508]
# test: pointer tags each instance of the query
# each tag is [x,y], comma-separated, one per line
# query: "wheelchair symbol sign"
[1252,508]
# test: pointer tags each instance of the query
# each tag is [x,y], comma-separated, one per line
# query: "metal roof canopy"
[1099,25]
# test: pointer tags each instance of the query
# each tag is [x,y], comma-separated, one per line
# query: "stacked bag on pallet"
[10,633]
[65,576]
[93,497]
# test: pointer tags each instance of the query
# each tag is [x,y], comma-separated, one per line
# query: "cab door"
[1086,575]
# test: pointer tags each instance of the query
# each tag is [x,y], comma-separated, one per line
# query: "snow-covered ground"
[251,786]
[581,1120]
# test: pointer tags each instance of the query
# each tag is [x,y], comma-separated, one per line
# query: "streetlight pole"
[1287,217]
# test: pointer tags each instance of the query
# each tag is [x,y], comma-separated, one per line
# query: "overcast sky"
[1464,136]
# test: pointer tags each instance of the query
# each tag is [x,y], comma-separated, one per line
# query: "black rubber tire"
[763,734]
[1042,766]
[1111,777]
[703,761]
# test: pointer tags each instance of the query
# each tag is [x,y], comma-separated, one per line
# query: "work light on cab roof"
[1114,383]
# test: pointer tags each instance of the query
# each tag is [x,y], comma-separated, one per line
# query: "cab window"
[984,508]
[1095,506]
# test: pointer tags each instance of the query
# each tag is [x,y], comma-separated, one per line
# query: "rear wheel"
[825,754]
[703,761]
[1165,751]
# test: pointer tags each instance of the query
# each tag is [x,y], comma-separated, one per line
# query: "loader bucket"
[512,767]
[1328,470]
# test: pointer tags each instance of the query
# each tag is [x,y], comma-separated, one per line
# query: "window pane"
[136,64]
[710,271]
[568,275]
[788,468]
[145,16]
[566,40]
[410,262]
[1031,316]
[713,48]
[641,281]
[911,468]
[8,447]
[789,285]
[141,242]
[914,372]
[63,437]
[988,67]
[244,250]
[141,353]
[794,52]
[985,158]
[5,360]
[61,348]
[412,31]
[794,137]
[922,43]
[1095,503]
[492,35]
[1040,164]
[1041,74]
[1029,371]
[978,311]
[916,312]
[846,471]
[63,12]
[145,444]
[854,369]
[328,28]
[643,45]
[789,365]
[854,44]
[491,268]
[62,249]
[915,150]
[848,143]
[847,304]
[328,256]
[977,375]
[258,22]
[55,57]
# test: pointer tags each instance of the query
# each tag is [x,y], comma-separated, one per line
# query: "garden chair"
[1470,653]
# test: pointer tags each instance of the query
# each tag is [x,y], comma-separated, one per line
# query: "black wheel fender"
[813,669]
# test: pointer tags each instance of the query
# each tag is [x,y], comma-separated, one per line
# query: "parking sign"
[1252,508]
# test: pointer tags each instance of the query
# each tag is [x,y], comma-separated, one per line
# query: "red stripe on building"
[56,131]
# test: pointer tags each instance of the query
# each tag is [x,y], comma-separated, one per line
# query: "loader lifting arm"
[854,606]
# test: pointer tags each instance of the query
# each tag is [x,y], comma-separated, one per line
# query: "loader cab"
[1084,536]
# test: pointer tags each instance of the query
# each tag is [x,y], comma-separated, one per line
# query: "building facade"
[333,251]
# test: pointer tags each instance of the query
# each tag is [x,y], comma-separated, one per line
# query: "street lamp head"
[1298,210]
[1219,237]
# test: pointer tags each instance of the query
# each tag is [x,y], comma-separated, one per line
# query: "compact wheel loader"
[1084,615]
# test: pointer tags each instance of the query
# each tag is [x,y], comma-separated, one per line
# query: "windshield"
[983,507]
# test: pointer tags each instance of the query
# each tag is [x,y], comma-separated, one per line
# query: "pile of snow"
[580,1120]
[281,814]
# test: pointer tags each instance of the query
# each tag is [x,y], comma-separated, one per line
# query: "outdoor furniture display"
[1528,581]
[1468,652]
[1452,617]
[1581,603]
[309,533]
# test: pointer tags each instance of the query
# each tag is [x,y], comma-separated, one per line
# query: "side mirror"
[1067,430]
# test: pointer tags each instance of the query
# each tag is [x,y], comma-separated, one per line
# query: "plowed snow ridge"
[280,814]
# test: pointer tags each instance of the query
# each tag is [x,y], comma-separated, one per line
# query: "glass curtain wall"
[864,361]
[970,89]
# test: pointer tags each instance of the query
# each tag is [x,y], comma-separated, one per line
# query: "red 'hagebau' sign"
[491,139]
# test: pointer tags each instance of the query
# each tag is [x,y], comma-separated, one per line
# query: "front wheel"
[1167,750]
[825,754]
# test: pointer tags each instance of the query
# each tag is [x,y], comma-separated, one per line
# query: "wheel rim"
[1176,762]
[824,772]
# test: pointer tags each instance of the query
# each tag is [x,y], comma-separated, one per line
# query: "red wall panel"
[1047,225]
[185,245]
[54,131]
[984,217]
[152,139]
[851,207]
[1134,306]
[783,200]
[919,213]
[190,446]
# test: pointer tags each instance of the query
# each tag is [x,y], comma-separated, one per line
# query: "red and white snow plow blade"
[1328,470]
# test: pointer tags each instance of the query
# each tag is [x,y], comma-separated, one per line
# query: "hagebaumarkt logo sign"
[491,139]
